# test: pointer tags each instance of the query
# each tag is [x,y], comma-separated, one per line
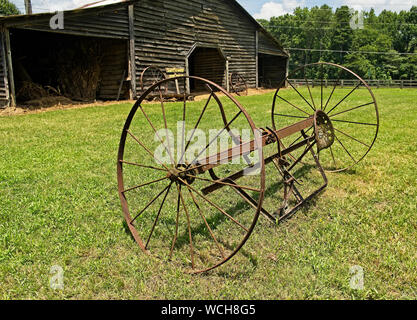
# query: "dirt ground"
[23,110]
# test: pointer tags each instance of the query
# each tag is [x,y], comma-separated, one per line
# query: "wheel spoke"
[174,241]
[289,116]
[142,166]
[157,135]
[144,184]
[321,78]
[146,149]
[214,205]
[149,204]
[354,122]
[299,109]
[218,135]
[158,215]
[361,106]
[331,94]
[343,146]
[334,160]
[311,95]
[206,223]
[196,126]
[189,226]
[302,96]
[225,183]
[344,98]
[363,143]
[166,125]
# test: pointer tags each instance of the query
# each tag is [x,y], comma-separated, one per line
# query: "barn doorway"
[272,70]
[64,68]
[207,63]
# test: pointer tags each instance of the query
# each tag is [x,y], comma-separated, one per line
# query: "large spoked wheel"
[173,168]
[344,97]
[238,84]
[150,76]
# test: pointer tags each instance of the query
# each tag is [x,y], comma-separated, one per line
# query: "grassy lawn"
[59,205]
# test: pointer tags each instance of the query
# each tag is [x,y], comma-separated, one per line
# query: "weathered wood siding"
[114,66]
[109,22]
[166,31]
[4,88]
[268,46]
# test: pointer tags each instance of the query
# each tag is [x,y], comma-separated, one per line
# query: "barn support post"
[187,73]
[227,76]
[4,63]
[132,54]
[257,57]
[10,67]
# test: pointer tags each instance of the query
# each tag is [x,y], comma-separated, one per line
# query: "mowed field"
[59,206]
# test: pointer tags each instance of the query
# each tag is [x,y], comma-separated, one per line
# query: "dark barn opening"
[272,70]
[60,67]
[208,63]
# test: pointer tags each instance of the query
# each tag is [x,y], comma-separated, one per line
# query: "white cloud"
[274,9]
[379,5]
[53,5]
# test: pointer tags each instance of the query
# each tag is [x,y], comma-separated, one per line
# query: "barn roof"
[102,6]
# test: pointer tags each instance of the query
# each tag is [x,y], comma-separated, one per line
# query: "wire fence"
[402,84]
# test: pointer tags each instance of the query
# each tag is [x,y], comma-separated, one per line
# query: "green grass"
[59,206]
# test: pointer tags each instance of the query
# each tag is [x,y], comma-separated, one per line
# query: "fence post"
[342,83]
[402,84]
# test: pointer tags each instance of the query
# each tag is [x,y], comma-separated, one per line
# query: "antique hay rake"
[192,175]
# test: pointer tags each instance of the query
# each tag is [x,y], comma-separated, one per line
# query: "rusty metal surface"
[316,129]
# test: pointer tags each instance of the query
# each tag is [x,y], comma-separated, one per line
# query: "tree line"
[380,46]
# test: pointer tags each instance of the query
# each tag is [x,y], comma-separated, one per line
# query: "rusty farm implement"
[195,176]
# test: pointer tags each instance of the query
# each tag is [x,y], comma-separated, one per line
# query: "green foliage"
[329,34]
[7,8]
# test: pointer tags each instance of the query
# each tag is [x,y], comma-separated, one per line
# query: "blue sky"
[258,8]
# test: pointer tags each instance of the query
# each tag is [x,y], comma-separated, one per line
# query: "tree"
[7,8]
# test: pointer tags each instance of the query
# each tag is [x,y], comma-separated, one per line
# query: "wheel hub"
[324,130]
[182,173]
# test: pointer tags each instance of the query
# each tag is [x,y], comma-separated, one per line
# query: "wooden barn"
[100,52]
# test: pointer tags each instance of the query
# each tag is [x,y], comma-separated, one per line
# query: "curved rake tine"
[148,205]
[206,223]
[189,226]
[158,215]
